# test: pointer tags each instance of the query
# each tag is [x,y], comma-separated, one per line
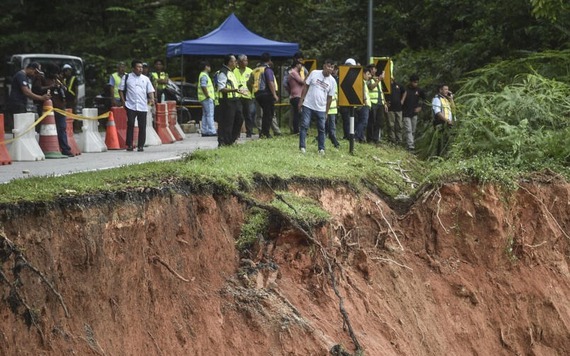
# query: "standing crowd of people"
[236,95]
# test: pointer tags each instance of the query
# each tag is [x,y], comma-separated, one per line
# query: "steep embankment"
[467,270]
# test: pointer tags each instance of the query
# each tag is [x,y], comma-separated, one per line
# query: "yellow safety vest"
[445,107]
[209,87]
[367,99]
[70,85]
[160,75]
[374,93]
[231,83]
[117,79]
[242,79]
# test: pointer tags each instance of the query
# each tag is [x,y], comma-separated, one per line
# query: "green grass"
[239,167]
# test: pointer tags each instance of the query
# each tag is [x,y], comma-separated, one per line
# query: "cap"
[36,66]
[350,61]
[145,64]
[66,66]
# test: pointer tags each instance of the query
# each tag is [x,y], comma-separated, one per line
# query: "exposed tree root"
[154,259]
[389,225]
[9,248]
[392,261]
[547,211]
[305,230]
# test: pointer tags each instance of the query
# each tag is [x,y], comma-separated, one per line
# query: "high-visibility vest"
[367,99]
[69,86]
[333,109]
[160,75]
[374,93]
[242,79]
[117,79]
[231,83]
[209,87]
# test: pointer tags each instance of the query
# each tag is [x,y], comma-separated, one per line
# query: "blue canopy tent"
[231,37]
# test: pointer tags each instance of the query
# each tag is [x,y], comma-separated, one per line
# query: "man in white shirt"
[137,93]
[318,91]
[442,107]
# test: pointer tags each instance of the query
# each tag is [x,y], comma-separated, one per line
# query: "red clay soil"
[468,270]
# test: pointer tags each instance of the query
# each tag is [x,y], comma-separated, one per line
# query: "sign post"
[351,93]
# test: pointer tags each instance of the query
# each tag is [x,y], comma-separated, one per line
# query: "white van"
[20,61]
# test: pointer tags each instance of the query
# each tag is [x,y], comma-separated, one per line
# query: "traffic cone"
[70,135]
[112,137]
[48,133]
[4,155]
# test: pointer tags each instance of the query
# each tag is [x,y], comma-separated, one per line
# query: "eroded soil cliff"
[467,270]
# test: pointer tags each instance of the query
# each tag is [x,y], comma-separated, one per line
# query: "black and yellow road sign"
[384,64]
[351,87]
[310,64]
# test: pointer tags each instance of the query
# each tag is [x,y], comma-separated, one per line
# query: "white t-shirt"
[320,87]
[137,92]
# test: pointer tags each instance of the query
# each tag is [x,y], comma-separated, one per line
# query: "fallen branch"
[154,259]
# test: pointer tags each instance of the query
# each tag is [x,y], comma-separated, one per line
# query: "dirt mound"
[467,270]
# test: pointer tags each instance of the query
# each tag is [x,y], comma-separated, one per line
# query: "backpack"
[258,78]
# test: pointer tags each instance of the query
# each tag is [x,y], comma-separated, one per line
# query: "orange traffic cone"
[112,137]
[4,155]
[48,133]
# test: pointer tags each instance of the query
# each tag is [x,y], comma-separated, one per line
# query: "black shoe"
[130,148]
[140,149]
[68,154]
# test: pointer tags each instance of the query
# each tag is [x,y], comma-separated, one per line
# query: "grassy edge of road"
[393,170]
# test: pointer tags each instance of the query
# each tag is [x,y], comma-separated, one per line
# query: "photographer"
[51,84]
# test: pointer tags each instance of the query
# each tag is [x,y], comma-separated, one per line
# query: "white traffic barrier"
[152,138]
[90,139]
[26,146]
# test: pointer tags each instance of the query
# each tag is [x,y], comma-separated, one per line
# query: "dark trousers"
[61,126]
[13,108]
[345,114]
[229,122]
[376,121]
[248,112]
[296,114]
[140,116]
[267,104]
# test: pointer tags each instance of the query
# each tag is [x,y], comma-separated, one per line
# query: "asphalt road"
[105,160]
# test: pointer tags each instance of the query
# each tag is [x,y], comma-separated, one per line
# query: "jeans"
[306,122]
[141,119]
[330,129]
[410,124]
[208,117]
[61,126]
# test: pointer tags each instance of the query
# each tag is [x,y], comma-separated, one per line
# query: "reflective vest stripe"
[70,86]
